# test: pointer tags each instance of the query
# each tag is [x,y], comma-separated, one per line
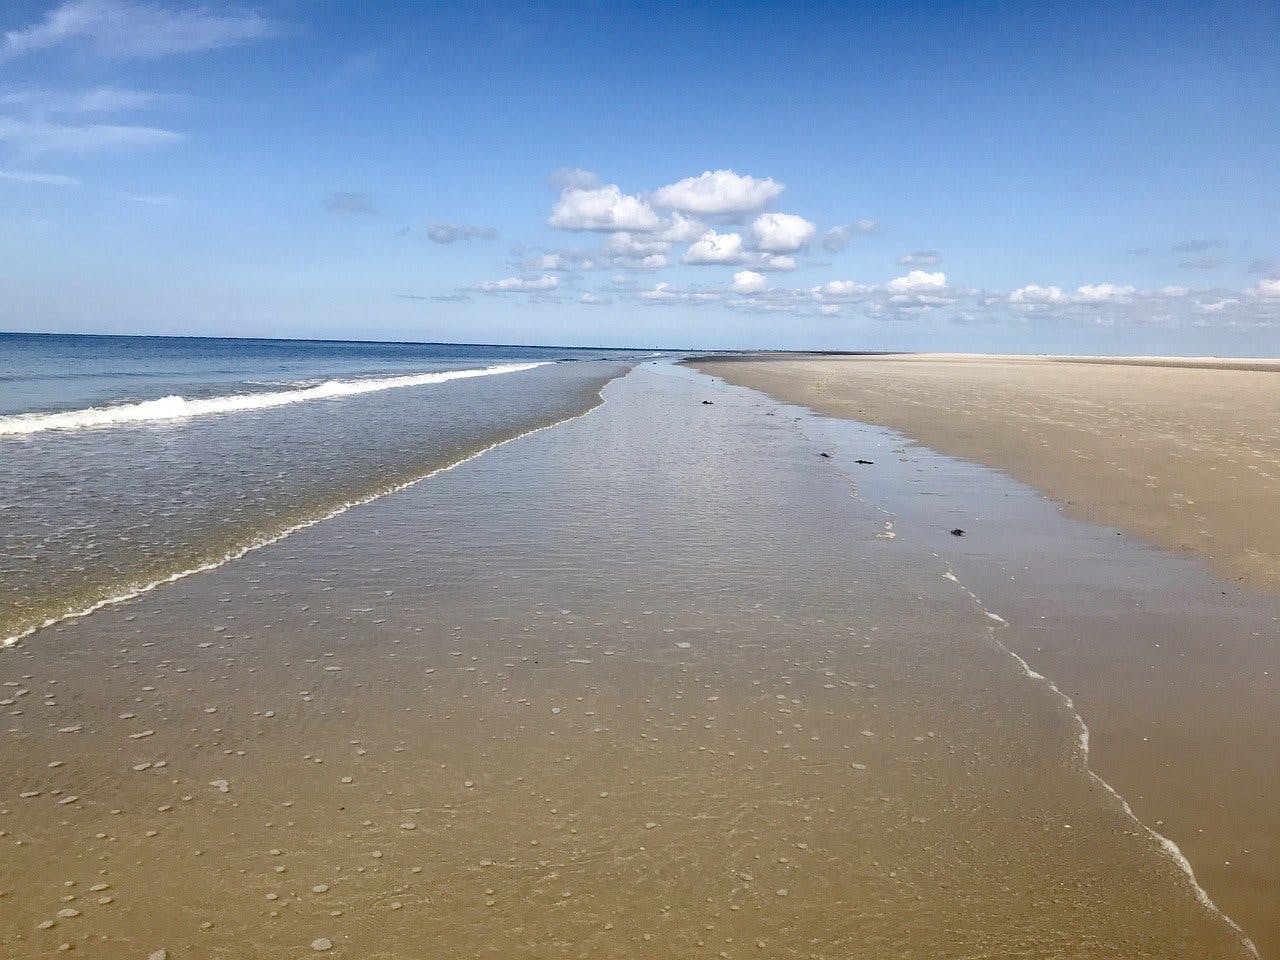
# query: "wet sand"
[1176,671]
[1183,453]
[606,691]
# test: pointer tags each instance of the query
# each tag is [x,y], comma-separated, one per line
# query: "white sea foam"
[1167,846]
[180,408]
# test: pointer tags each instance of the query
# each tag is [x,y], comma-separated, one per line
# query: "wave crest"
[180,408]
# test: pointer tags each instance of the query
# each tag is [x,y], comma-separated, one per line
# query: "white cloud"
[1268,287]
[718,193]
[116,100]
[829,309]
[748,281]
[1035,294]
[35,136]
[866,226]
[682,229]
[520,285]
[41,179]
[1104,293]
[712,247]
[625,244]
[603,208]
[1217,306]
[662,293]
[592,298]
[120,29]
[548,261]
[918,281]
[782,232]
[840,289]
[772,261]
[921,258]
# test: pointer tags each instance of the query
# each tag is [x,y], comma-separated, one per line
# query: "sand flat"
[1182,452]
[606,691]
[1176,671]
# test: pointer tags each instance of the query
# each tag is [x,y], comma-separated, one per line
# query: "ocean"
[127,461]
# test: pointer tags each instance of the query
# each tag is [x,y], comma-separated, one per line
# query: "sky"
[1009,177]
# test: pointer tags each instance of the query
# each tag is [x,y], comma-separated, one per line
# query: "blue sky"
[1096,178]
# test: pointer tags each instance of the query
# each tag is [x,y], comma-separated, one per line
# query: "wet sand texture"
[607,691]
[1185,454]
[1176,672]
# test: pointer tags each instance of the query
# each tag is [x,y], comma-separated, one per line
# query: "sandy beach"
[1184,453]
[1175,670]
[604,691]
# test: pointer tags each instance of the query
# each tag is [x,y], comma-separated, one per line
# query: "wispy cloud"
[453,232]
[38,136]
[520,285]
[39,179]
[1196,246]
[122,29]
[346,202]
[920,258]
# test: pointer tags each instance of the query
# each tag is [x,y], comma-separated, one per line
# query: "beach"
[1184,453]
[1172,660]
[605,690]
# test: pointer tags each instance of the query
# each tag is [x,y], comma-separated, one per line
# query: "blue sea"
[127,461]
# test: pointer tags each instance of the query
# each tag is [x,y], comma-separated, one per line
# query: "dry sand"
[1184,453]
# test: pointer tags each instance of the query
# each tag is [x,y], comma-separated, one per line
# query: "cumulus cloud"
[921,258]
[604,209]
[748,281]
[716,248]
[632,246]
[39,179]
[659,291]
[346,202]
[782,232]
[1268,287]
[453,232]
[717,193]
[520,285]
[681,229]
[1034,294]
[1104,293]
[834,289]
[122,29]
[918,281]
